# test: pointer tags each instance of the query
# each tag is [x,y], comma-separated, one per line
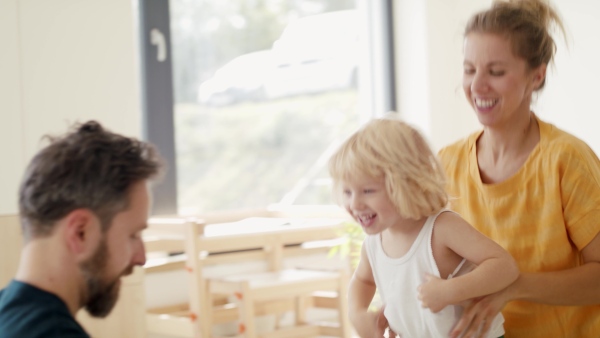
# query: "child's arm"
[496,269]
[360,294]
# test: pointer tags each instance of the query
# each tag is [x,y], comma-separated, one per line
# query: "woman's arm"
[495,270]
[576,286]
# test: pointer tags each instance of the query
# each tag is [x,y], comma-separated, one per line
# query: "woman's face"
[497,84]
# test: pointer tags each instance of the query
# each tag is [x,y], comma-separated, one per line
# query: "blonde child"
[416,252]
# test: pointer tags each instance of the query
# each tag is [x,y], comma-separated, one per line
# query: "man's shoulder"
[24,316]
[35,321]
[41,324]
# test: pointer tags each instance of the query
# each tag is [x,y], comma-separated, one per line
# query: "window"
[264,91]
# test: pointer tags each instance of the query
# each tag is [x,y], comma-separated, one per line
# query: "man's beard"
[100,295]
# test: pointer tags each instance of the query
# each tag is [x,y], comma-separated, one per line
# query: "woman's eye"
[497,72]
[469,71]
[368,191]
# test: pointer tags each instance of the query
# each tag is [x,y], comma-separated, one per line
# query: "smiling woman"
[498,84]
[524,182]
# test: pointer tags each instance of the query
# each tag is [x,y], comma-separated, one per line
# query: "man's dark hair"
[89,167]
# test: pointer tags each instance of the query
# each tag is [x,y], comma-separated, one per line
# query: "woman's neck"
[509,141]
[501,152]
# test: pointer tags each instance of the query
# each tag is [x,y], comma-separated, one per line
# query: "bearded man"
[83,204]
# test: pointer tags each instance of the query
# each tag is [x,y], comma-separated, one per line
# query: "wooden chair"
[11,242]
[238,297]
[260,290]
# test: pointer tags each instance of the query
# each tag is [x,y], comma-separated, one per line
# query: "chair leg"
[206,321]
[300,310]
[245,304]
[201,312]
[345,326]
[278,319]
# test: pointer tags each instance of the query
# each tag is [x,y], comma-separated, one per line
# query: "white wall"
[429,69]
[63,61]
[11,131]
[573,86]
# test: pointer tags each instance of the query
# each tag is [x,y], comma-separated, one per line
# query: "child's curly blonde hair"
[393,150]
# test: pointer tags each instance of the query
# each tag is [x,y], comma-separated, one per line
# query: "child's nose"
[356,203]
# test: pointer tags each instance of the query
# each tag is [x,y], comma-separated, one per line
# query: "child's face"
[366,199]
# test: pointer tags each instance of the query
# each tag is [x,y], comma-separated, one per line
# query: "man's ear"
[82,232]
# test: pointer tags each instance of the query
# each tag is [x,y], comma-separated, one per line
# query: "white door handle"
[158,39]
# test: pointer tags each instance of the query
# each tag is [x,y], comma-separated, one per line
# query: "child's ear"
[82,232]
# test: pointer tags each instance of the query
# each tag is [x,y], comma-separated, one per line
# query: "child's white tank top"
[397,280]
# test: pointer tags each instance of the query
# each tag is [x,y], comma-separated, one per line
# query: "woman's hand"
[478,316]
[432,294]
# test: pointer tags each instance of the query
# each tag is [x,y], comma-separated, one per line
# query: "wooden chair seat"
[274,285]
[250,290]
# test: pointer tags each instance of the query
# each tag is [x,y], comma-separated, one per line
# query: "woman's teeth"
[482,103]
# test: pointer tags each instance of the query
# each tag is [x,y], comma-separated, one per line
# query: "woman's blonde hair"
[393,150]
[526,23]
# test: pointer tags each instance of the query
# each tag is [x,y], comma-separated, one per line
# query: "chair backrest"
[166,233]
[253,238]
